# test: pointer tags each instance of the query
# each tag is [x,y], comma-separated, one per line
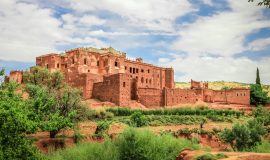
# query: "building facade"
[108,75]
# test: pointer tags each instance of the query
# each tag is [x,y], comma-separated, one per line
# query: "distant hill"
[219,84]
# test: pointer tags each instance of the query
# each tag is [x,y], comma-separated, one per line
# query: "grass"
[132,144]
[264,147]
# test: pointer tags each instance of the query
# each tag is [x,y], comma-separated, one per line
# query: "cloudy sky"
[205,40]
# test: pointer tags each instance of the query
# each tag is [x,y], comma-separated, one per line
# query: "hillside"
[219,84]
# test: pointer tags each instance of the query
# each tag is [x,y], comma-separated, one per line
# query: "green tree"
[15,123]
[262,3]
[257,95]
[244,136]
[53,102]
[258,80]
[225,88]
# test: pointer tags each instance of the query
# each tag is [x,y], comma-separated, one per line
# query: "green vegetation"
[132,144]
[257,95]
[15,122]
[138,119]
[53,103]
[102,129]
[244,136]
[176,111]
[209,156]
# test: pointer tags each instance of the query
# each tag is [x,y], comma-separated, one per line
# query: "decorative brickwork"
[106,74]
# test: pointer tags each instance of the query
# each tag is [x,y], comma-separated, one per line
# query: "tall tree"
[258,80]
[53,101]
[265,3]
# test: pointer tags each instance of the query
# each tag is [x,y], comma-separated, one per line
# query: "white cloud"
[223,33]
[156,15]
[222,68]
[26,31]
[259,44]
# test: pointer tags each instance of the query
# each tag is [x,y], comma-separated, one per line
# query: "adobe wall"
[151,97]
[233,96]
[180,96]
[115,88]
[16,76]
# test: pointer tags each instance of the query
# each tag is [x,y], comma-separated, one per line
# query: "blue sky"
[205,40]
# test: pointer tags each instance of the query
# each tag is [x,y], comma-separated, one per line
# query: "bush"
[130,145]
[147,146]
[102,129]
[175,111]
[138,119]
[209,156]
[245,136]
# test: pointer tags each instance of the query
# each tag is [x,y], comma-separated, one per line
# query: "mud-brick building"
[108,75]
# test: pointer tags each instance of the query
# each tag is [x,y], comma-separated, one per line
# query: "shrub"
[209,156]
[147,146]
[102,128]
[176,111]
[138,119]
[245,136]
[130,145]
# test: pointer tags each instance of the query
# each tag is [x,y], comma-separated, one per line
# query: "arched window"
[97,63]
[146,80]
[85,61]
[57,65]
[115,63]
[142,79]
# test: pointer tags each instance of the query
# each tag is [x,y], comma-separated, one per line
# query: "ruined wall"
[151,97]
[180,96]
[16,76]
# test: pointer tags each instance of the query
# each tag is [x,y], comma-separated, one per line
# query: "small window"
[65,65]
[158,76]
[236,94]
[47,65]
[125,67]
[130,69]
[142,70]
[142,79]
[148,71]
[136,77]
[150,81]
[88,70]
[124,84]
[133,70]
[244,94]
[146,80]
[137,70]
[85,61]
[115,63]
[57,65]
[97,63]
